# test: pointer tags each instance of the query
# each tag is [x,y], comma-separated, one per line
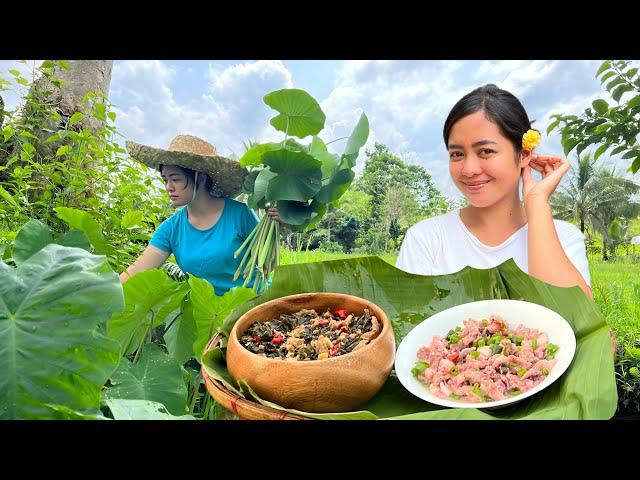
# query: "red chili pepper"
[256,338]
[453,356]
[342,313]
[277,338]
[323,322]
[334,350]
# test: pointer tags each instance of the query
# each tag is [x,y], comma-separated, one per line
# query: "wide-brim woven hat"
[196,154]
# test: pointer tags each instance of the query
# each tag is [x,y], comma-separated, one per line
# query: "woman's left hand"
[552,168]
[273,213]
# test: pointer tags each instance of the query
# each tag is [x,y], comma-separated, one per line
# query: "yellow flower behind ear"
[530,140]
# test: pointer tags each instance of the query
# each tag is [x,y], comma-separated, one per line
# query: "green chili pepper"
[419,367]
[522,371]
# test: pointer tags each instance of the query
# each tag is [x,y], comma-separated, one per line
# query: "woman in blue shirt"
[204,235]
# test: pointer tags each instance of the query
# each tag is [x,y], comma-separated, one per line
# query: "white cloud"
[527,76]
[495,69]
[228,110]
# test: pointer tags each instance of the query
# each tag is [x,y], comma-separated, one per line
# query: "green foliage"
[52,308]
[123,409]
[303,180]
[150,297]
[612,127]
[52,161]
[157,377]
[397,193]
[599,200]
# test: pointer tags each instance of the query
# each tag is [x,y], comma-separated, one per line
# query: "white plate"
[514,313]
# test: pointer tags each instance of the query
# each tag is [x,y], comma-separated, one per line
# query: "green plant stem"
[194,395]
[172,322]
[144,337]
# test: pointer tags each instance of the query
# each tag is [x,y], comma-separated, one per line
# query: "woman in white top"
[489,138]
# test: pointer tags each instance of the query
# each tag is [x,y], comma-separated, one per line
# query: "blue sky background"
[406,101]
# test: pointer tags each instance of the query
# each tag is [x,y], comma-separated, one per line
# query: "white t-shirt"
[442,245]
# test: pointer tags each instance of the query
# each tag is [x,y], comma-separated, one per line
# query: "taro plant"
[53,307]
[73,340]
[162,332]
[302,180]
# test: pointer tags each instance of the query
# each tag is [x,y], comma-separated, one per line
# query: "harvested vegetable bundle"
[301,179]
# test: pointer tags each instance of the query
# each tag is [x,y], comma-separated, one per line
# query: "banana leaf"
[587,390]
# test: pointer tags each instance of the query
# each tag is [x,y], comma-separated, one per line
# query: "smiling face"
[482,161]
[178,185]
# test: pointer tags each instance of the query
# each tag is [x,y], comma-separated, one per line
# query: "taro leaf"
[62,412]
[319,209]
[294,213]
[150,297]
[256,200]
[32,237]
[253,156]
[336,188]
[156,376]
[300,114]
[329,161]
[299,176]
[250,180]
[358,137]
[35,235]
[210,310]
[356,141]
[83,221]
[50,349]
[75,238]
[122,409]
[181,335]
[587,390]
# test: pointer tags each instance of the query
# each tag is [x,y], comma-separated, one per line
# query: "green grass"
[616,290]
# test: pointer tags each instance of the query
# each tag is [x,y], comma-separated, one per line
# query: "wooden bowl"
[336,384]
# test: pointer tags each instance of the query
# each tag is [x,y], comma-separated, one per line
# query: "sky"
[406,101]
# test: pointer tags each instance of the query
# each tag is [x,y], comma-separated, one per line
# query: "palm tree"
[575,201]
[595,197]
[618,205]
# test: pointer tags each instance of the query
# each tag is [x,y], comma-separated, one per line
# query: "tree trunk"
[604,249]
[83,76]
[582,225]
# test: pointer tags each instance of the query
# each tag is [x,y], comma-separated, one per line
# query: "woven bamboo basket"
[241,407]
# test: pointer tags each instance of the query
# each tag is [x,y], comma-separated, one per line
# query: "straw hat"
[192,152]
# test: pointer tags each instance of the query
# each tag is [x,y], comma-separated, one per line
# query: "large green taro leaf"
[587,390]
[156,376]
[300,114]
[151,297]
[299,176]
[50,349]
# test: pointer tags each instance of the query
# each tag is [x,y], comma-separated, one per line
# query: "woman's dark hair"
[500,106]
[191,176]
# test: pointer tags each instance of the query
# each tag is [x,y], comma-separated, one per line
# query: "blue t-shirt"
[208,253]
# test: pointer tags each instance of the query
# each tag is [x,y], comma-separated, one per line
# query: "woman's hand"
[552,168]
[273,213]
